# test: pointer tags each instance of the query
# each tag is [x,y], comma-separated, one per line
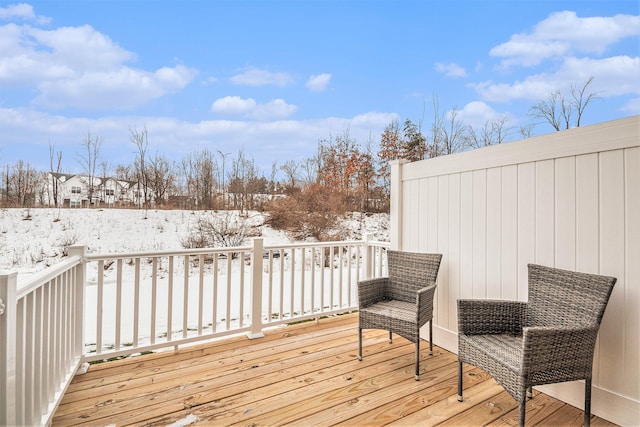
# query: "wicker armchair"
[549,339]
[402,302]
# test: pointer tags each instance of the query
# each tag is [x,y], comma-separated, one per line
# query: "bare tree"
[161,177]
[141,141]
[493,132]
[581,99]
[89,159]
[290,168]
[309,166]
[54,172]
[200,169]
[559,111]
[547,110]
[526,131]
[22,182]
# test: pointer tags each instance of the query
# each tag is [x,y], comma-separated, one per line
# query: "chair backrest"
[410,271]
[566,298]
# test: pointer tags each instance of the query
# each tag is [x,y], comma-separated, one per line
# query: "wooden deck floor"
[303,375]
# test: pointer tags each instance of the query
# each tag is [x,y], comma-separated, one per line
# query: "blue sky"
[274,77]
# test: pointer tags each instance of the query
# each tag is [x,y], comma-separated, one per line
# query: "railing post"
[396,203]
[256,289]
[80,279]
[368,257]
[8,331]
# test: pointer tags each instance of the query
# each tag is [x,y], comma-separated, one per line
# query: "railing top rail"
[314,244]
[203,251]
[198,251]
[38,279]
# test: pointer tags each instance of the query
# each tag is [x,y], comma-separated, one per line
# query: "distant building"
[76,191]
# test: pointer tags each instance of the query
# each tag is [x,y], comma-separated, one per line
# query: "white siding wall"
[569,199]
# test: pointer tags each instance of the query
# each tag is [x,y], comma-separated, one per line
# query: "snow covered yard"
[217,296]
[33,239]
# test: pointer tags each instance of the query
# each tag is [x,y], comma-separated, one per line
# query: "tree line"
[343,172]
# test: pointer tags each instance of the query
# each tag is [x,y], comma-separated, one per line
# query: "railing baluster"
[170,301]
[200,292]
[349,272]
[331,268]
[118,337]
[313,278]
[48,389]
[280,317]
[270,281]
[291,283]
[154,298]
[136,303]
[302,281]
[228,319]
[322,284]
[100,306]
[37,353]
[214,303]
[242,284]
[185,301]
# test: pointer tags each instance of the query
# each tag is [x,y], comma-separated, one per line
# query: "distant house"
[75,191]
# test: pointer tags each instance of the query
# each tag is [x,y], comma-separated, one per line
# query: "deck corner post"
[80,284]
[256,289]
[397,202]
[8,331]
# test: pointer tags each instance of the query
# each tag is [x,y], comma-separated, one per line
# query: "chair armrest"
[424,299]
[566,351]
[477,317]
[371,291]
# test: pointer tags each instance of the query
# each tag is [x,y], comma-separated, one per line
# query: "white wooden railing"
[96,307]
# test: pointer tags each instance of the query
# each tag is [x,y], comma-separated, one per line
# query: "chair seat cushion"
[400,310]
[504,349]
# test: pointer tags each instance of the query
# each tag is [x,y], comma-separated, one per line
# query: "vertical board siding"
[509,233]
[494,230]
[453,260]
[611,346]
[632,272]
[571,203]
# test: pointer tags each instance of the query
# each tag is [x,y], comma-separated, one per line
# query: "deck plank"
[305,374]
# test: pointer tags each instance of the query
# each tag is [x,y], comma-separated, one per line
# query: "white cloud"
[22,11]
[268,140]
[234,105]
[80,67]
[613,76]
[122,88]
[477,113]
[564,33]
[450,70]
[318,83]
[257,77]
[632,107]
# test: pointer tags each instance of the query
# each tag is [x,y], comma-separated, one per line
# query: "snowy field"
[31,240]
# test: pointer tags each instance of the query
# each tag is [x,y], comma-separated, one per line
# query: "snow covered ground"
[31,240]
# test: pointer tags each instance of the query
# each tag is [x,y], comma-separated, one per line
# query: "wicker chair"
[402,302]
[549,339]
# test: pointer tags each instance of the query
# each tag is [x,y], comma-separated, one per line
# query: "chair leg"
[530,392]
[459,380]
[431,337]
[390,337]
[523,405]
[418,359]
[587,402]
[360,344]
